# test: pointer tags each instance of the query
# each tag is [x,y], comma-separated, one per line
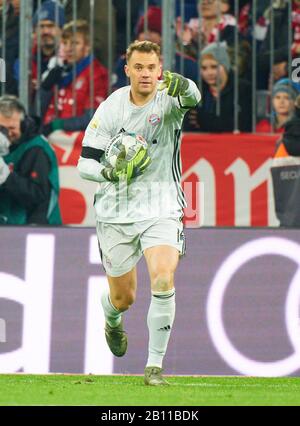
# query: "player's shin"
[160,320]
[112,315]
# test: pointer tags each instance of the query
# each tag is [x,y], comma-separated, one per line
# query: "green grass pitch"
[72,390]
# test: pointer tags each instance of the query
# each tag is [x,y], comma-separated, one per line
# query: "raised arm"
[182,88]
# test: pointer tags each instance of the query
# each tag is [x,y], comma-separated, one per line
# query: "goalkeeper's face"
[143,69]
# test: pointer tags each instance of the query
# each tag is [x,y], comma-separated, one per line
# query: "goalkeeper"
[139,203]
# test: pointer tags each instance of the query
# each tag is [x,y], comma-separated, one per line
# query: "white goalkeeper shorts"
[122,245]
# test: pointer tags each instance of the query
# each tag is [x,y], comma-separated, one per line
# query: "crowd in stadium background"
[218,24]
[70,73]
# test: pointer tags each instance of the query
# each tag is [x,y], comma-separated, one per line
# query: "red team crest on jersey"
[154,119]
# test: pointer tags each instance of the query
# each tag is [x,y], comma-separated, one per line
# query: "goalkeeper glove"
[114,174]
[137,165]
[175,83]
[127,169]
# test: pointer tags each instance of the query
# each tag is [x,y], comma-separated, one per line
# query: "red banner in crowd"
[226,179]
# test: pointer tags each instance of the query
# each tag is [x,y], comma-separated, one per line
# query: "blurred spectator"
[281,45]
[11,41]
[291,134]
[286,173]
[29,184]
[12,8]
[215,64]
[217,23]
[212,29]
[154,16]
[246,20]
[49,31]
[190,68]
[101,24]
[283,104]
[73,111]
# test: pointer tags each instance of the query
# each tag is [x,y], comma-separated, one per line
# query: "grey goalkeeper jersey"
[157,192]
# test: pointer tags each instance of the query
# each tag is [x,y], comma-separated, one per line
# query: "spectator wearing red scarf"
[216,23]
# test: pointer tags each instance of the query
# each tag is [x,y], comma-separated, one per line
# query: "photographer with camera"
[29,183]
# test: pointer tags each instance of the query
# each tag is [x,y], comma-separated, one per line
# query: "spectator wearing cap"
[283,104]
[137,9]
[215,65]
[47,22]
[154,33]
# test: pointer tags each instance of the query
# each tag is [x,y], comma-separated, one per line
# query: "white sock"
[160,320]
[112,315]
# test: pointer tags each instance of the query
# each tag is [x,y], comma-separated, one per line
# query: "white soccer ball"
[132,143]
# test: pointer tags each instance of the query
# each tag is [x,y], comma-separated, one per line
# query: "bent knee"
[122,302]
[162,281]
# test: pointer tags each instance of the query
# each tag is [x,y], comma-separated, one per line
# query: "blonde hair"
[80,26]
[142,46]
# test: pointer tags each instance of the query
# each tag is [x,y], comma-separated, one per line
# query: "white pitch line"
[237,385]
[211,385]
